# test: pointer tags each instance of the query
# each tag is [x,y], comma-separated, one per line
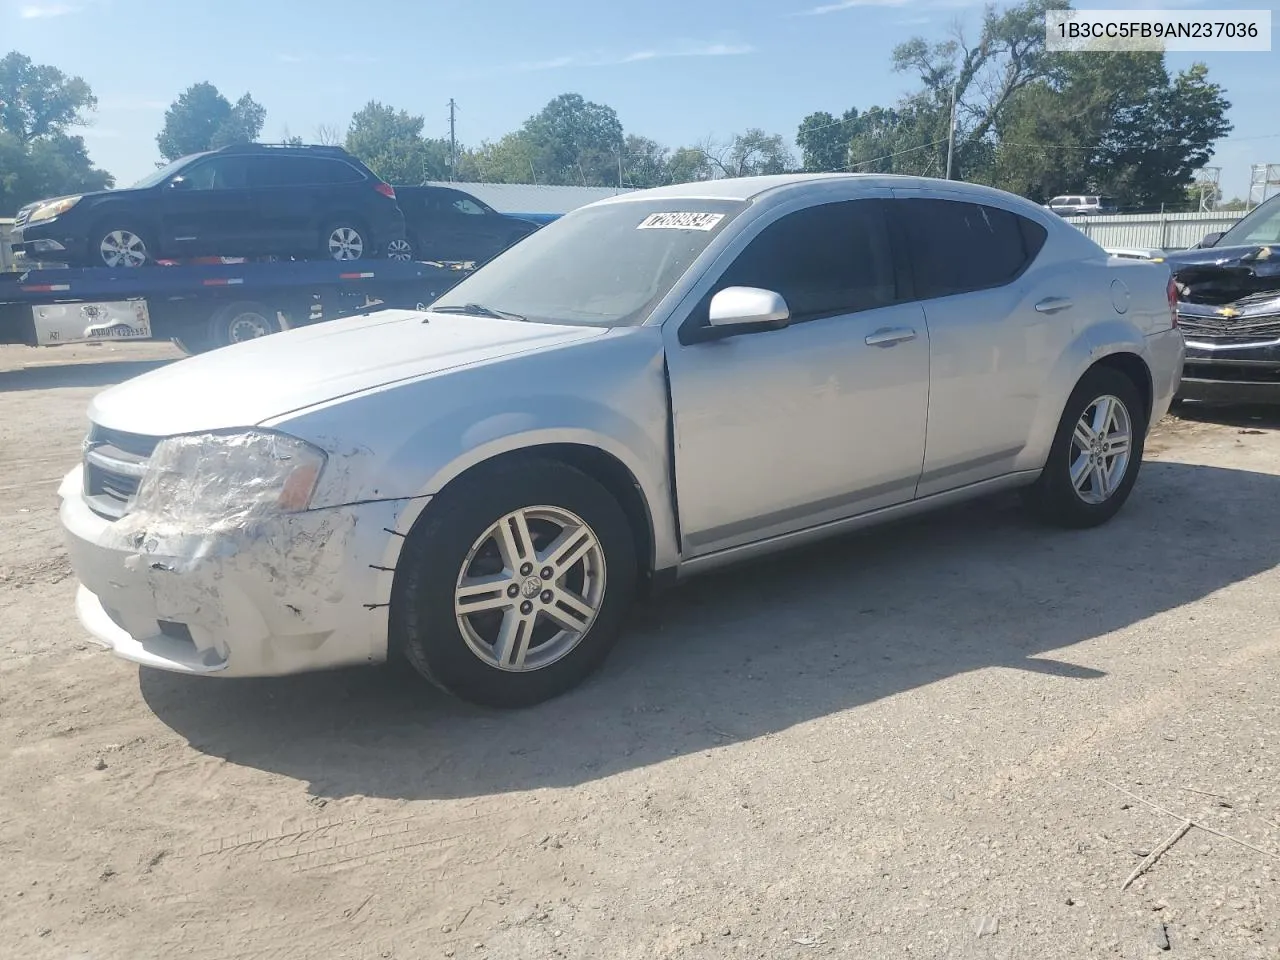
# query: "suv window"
[281,171]
[958,247]
[216,173]
[333,171]
[824,260]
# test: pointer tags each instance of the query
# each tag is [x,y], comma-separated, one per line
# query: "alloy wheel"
[345,243]
[1100,448]
[530,588]
[400,250]
[122,248]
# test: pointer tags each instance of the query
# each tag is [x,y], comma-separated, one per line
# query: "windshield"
[168,170]
[1261,226]
[600,266]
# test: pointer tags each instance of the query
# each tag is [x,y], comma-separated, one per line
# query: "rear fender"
[1093,344]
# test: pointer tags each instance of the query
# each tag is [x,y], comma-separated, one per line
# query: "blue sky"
[674,71]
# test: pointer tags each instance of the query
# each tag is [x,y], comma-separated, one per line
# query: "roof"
[532,197]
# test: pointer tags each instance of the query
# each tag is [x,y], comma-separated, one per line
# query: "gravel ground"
[893,745]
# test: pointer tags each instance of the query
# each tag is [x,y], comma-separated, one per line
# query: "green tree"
[749,154]
[824,141]
[688,165]
[37,100]
[575,141]
[202,119]
[644,162]
[985,76]
[1113,123]
[38,156]
[390,142]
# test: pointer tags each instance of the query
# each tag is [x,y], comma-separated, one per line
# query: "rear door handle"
[890,336]
[1053,304]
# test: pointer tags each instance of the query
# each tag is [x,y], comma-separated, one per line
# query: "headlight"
[217,480]
[54,208]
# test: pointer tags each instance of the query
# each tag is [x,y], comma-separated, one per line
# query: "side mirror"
[735,307]
[1211,239]
[179,183]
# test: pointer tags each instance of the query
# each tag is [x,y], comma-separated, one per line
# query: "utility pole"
[453,139]
[951,132]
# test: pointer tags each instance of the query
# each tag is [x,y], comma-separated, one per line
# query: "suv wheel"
[401,250]
[119,245]
[513,588]
[345,240]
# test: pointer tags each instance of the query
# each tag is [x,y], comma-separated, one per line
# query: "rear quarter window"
[958,247]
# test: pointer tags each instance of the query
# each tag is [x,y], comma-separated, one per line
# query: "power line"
[890,156]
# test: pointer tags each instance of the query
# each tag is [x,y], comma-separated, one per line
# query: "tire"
[1054,496]
[132,246]
[194,342]
[344,240]
[241,320]
[460,653]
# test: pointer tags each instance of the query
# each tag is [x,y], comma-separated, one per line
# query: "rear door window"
[957,247]
[274,171]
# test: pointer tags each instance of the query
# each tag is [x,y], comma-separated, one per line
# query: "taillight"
[386,189]
[1172,291]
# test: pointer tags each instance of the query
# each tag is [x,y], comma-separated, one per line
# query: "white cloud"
[849,5]
[43,10]
[688,49]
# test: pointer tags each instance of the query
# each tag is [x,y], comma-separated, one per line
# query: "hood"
[248,383]
[1217,275]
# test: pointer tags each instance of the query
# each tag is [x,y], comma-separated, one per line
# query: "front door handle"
[1053,304]
[890,336]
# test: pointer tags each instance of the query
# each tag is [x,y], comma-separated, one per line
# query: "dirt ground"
[895,745]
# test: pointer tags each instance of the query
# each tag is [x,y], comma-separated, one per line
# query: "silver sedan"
[651,386]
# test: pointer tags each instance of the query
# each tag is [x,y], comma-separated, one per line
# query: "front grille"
[1231,329]
[23,217]
[114,463]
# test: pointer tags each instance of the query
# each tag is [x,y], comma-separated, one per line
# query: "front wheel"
[119,245]
[513,587]
[1096,453]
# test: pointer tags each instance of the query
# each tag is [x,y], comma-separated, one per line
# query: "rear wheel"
[513,588]
[1096,453]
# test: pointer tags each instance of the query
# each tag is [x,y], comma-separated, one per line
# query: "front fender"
[608,393]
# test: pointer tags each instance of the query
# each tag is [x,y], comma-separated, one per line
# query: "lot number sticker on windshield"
[680,221]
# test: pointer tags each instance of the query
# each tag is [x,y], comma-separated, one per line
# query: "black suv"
[442,223]
[246,200]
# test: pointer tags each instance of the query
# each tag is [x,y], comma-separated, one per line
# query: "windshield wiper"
[477,310]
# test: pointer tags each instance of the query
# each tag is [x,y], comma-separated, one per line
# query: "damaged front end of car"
[1229,312]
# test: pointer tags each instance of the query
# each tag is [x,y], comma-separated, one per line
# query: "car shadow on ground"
[754,650]
[76,373]
[1260,416]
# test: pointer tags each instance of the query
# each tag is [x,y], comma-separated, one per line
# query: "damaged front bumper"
[293,593]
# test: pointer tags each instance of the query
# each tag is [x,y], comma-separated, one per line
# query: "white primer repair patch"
[680,221]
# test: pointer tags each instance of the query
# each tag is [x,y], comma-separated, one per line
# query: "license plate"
[90,322]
